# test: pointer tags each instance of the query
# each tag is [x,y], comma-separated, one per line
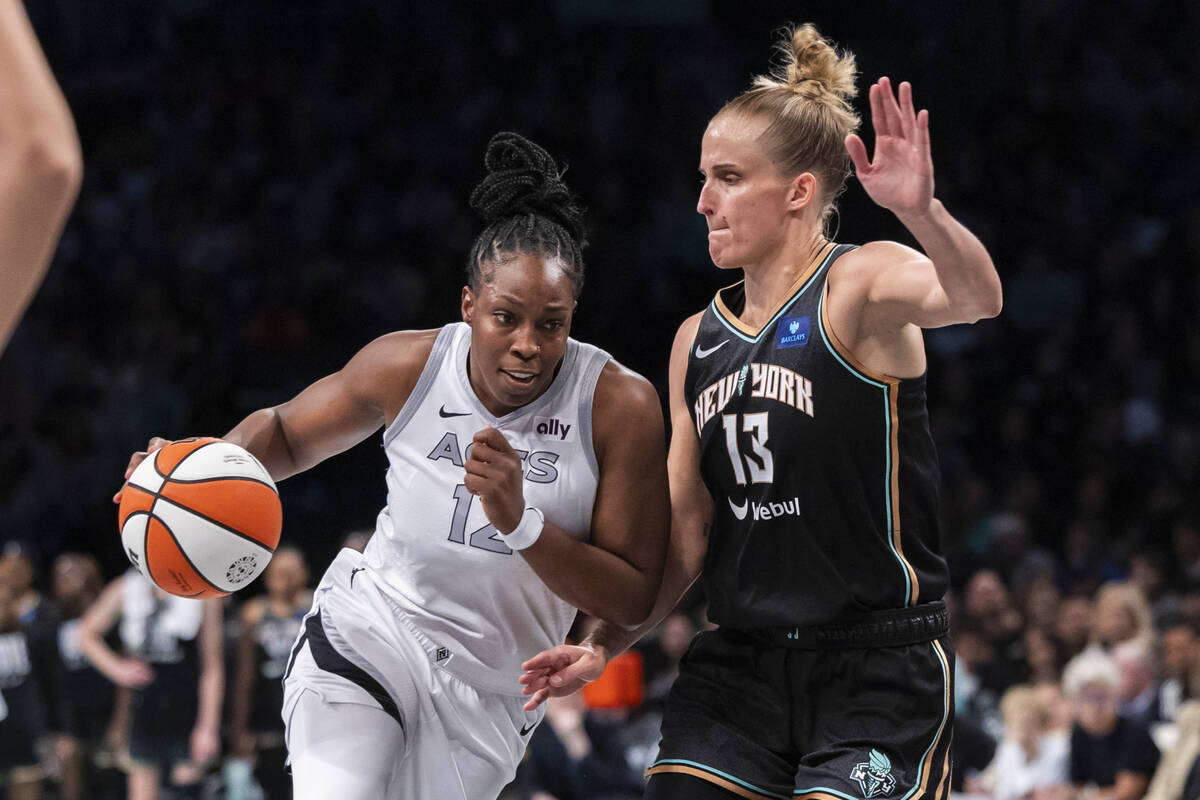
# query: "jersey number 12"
[485,537]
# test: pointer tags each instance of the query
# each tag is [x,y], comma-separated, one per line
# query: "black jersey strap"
[891,628]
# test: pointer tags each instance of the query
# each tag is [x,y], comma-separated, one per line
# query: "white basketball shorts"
[437,737]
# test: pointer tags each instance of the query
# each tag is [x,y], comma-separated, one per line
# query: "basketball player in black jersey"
[803,476]
[40,165]
[171,661]
[270,623]
[25,667]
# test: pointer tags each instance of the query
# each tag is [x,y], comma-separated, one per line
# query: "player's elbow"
[637,609]
[984,305]
[628,609]
[52,167]
[992,304]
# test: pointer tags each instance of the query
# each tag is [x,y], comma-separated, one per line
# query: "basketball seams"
[195,481]
[179,463]
[159,496]
[182,552]
[169,552]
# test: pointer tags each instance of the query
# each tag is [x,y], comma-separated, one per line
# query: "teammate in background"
[40,165]
[38,618]
[172,663]
[270,625]
[527,479]
[24,666]
[88,766]
[803,475]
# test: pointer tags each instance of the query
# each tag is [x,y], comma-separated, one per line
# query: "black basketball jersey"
[274,637]
[22,710]
[85,691]
[823,475]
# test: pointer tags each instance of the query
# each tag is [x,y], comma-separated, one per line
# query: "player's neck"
[771,282]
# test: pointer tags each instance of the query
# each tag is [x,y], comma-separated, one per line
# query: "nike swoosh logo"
[702,353]
[739,511]
[442,412]
[527,728]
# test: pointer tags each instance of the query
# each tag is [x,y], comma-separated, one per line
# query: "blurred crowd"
[270,186]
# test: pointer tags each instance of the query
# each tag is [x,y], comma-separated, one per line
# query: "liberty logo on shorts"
[874,775]
[792,332]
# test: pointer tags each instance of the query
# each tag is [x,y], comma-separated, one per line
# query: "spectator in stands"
[1031,756]
[990,612]
[1112,754]
[1138,696]
[1074,624]
[1042,660]
[1121,614]
[577,755]
[1179,667]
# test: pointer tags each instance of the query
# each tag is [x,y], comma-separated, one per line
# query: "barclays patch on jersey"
[791,332]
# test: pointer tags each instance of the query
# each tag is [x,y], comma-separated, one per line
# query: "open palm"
[900,178]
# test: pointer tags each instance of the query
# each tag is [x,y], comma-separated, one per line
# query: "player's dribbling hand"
[900,178]
[494,474]
[561,670]
[157,443]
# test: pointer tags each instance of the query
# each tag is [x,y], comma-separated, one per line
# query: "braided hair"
[528,209]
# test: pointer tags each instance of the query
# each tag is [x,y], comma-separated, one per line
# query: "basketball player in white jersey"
[40,165]
[527,479]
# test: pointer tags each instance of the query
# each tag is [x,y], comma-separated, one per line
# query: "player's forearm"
[239,719]
[100,654]
[40,164]
[594,580]
[212,687]
[31,104]
[679,573]
[37,134]
[964,268]
[262,433]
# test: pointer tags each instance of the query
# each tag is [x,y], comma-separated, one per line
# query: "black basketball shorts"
[765,720]
[160,727]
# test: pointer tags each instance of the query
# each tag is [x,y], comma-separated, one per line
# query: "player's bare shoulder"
[685,336]
[625,403]
[863,265]
[388,368]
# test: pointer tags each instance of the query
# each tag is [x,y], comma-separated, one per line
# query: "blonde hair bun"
[808,59]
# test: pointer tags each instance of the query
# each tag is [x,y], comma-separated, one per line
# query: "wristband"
[527,531]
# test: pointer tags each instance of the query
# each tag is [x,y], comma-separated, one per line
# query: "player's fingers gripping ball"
[200,518]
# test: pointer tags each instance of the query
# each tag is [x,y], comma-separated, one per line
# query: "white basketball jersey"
[440,562]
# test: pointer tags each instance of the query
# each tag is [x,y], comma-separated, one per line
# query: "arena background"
[271,185]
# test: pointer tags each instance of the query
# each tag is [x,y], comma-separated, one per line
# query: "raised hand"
[559,671]
[900,177]
[494,475]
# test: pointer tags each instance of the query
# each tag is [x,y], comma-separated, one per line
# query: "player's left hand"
[900,178]
[494,475]
[561,670]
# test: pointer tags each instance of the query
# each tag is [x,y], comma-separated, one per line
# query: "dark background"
[271,185]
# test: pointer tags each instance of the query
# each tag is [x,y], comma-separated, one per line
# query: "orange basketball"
[200,518]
